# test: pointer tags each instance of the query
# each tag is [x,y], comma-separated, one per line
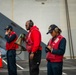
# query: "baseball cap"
[51,28]
[8,27]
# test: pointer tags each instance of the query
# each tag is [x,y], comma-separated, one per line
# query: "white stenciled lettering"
[56,40]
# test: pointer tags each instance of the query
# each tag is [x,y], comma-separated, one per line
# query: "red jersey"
[33,40]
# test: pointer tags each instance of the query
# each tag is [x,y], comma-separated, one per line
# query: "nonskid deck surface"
[69,67]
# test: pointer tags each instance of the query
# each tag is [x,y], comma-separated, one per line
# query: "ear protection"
[31,23]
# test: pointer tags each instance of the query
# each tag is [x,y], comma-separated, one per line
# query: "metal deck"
[69,67]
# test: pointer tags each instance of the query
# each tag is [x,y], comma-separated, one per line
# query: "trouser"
[54,68]
[11,62]
[34,63]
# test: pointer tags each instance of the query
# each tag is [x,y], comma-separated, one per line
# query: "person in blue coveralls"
[11,47]
[55,51]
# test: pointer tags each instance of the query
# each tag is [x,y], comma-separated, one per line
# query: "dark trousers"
[11,62]
[54,68]
[34,63]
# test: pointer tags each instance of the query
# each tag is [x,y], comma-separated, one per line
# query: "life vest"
[54,44]
[29,43]
[12,45]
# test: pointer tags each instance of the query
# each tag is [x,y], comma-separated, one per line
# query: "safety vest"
[29,43]
[55,45]
[12,45]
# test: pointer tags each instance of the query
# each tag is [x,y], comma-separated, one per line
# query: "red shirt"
[33,40]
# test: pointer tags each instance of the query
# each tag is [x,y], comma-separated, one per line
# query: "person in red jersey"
[55,51]
[11,47]
[33,46]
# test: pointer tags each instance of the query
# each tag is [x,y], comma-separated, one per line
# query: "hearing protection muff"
[31,23]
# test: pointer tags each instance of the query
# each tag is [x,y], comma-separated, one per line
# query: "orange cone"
[1,65]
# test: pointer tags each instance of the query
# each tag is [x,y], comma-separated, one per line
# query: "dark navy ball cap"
[51,28]
[8,27]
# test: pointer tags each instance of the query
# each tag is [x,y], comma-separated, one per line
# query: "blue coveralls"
[11,57]
[55,68]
